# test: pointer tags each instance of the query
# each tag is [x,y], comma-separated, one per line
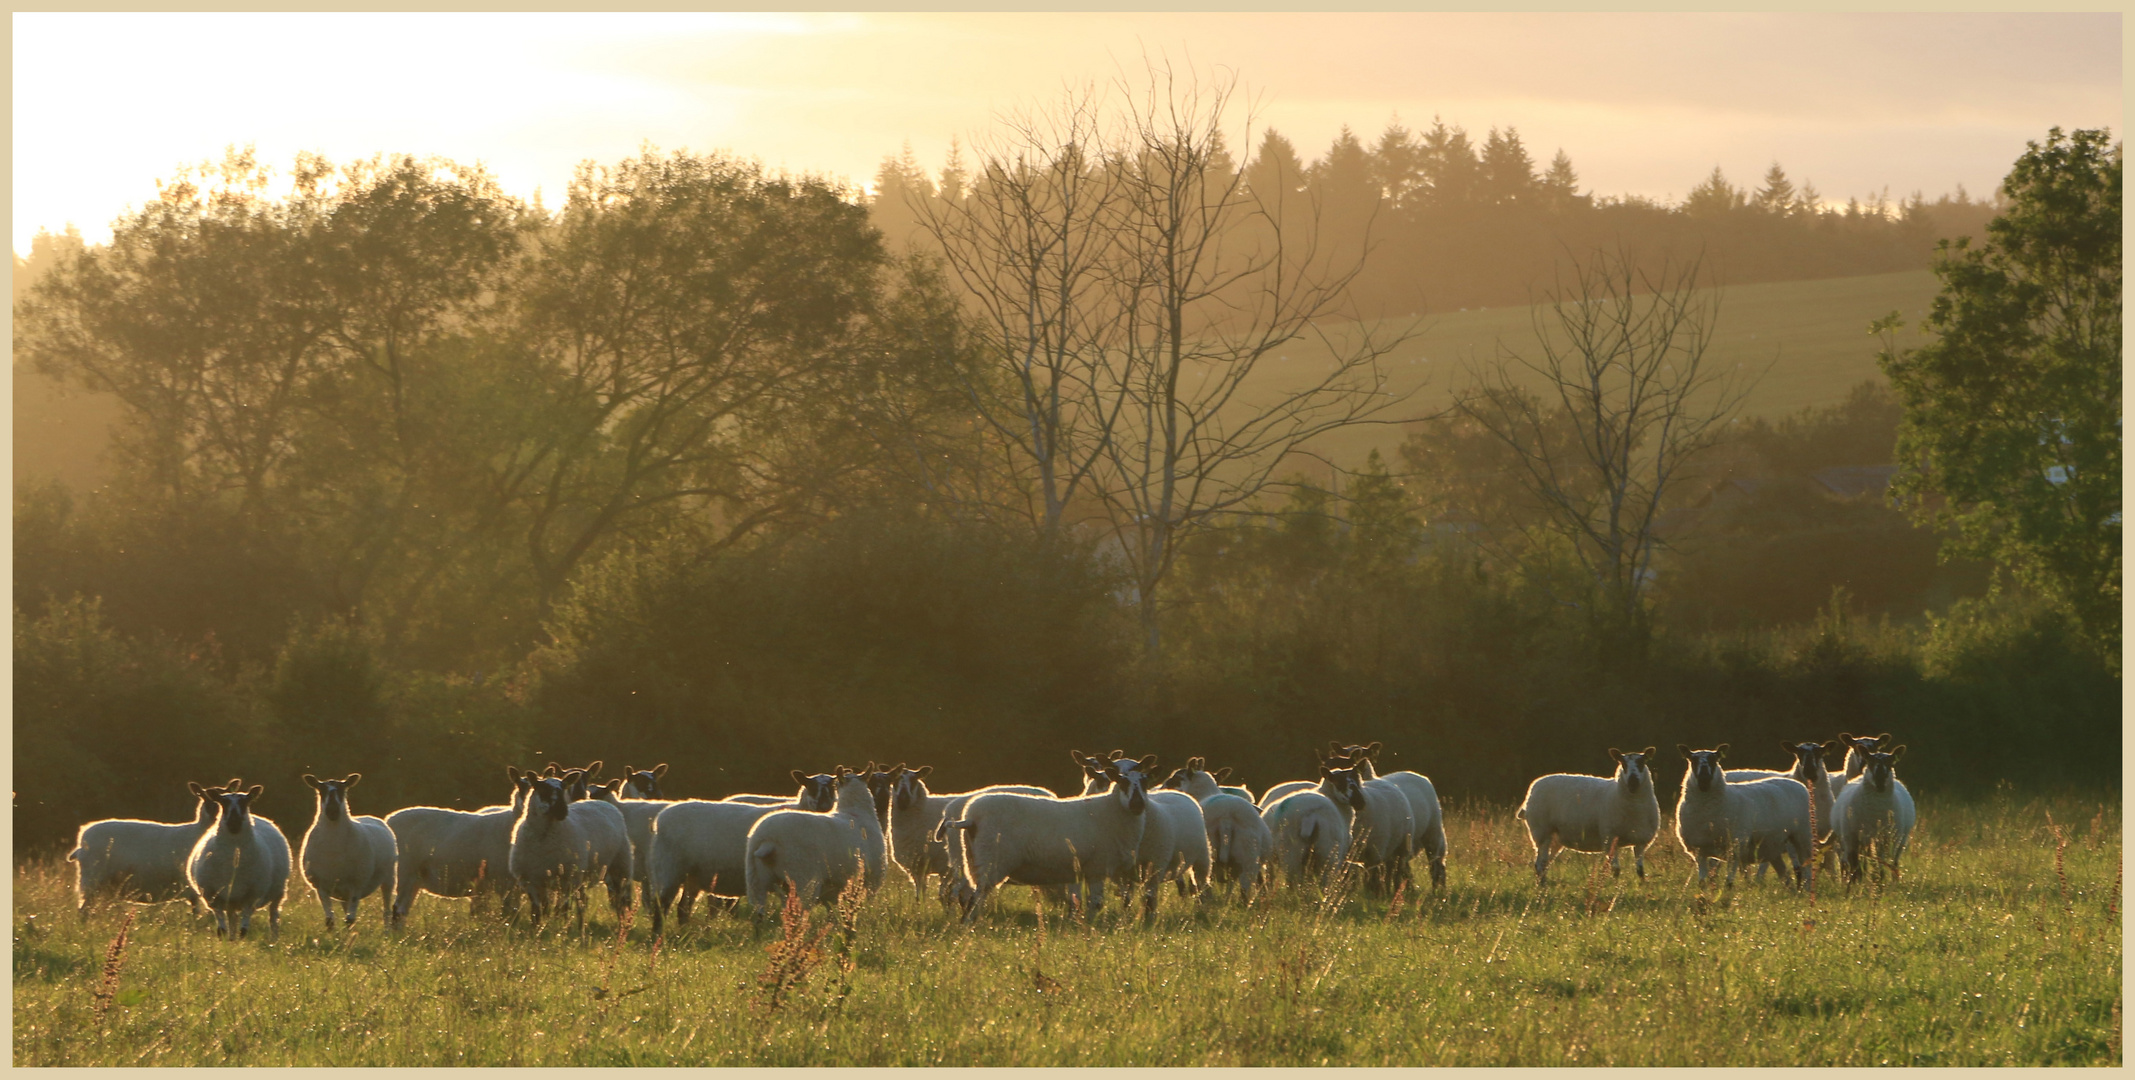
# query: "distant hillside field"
[1814,334]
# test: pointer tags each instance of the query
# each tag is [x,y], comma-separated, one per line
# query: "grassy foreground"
[1981,954]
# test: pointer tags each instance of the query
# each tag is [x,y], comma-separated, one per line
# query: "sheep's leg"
[1615,867]
[348,912]
[1638,859]
[244,924]
[327,902]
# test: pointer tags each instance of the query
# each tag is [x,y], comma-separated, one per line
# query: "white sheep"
[1174,845]
[1239,842]
[1284,790]
[1810,771]
[1382,828]
[606,829]
[1875,811]
[345,858]
[234,868]
[644,783]
[1036,840]
[551,854]
[1311,836]
[455,853]
[1763,820]
[702,846]
[1594,813]
[921,845]
[1422,795]
[638,814]
[140,861]
[817,853]
[1858,747]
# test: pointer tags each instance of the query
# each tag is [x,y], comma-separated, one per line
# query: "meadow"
[2000,944]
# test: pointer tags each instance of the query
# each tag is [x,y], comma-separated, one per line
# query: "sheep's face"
[333,795]
[909,790]
[1096,772]
[1808,762]
[236,812]
[1879,770]
[1706,772]
[818,792]
[1129,785]
[549,798]
[1344,786]
[1633,770]
[881,780]
[644,783]
[1865,745]
[854,790]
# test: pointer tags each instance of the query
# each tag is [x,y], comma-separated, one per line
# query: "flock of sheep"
[562,830]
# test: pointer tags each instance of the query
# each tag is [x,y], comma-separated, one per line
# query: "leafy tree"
[2011,435]
[1450,170]
[1714,198]
[1560,185]
[1777,194]
[1508,173]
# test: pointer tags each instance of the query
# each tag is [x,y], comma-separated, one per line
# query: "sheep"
[234,869]
[1381,826]
[817,854]
[1858,747]
[1594,813]
[1766,820]
[1037,840]
[455,853]
[1285,789]
[1430,835]
[1239,842]
[606,830]
[1174,845]
[880,781]
[644,783]
[345,858]
[921,845]
[759,800]
[1311,835]
[551,853]
[140,861]
[1875,810]
[637,797]
[1810,771]
[702,846]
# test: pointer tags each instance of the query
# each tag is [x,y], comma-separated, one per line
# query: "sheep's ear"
[1148,765]
[922,772]
[234,784]
[1720,750]
[659,770]
[1833,744]
[1649,751]
[352,780]
[1373,749]
[615,785]
[1895,754]
[312,780]
[512,772]
[1845,737]
[253,791]
[799,777]
[1616,754]
[1078,757]
[1786,746]
[1222,772]
[1883,738]
[1117,754]
[195,788]
[1684,750]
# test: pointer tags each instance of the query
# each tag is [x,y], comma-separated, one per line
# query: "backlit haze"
[105,104]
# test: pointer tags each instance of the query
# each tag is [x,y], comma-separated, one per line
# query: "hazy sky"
[1648,104]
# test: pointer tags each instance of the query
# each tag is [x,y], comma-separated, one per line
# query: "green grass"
[1975,956]
[1810,338]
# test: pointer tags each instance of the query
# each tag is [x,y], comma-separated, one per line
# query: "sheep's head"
[574,784]
[612,791]
[909,790]
[236,812]
[881,779]
[549,797]
[1705,768]
[1879,769]
[1808,762]
[1633,770]
[1129,780]
[1864,744]
[1096,771]
[1343,785]
[333,795]
[818,792]
[644,783]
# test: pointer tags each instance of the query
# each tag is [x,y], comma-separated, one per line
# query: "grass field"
[1980,954]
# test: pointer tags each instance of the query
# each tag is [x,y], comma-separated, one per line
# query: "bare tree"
[1029,243]
[1214,282]
[1603,423]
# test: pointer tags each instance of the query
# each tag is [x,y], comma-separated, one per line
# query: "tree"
[1625,400]
[1560,185]
[1777,194]
[2011,434]
[1508,173]
[1714,198]
[1030,246]
[1215,284]
[1448,165]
